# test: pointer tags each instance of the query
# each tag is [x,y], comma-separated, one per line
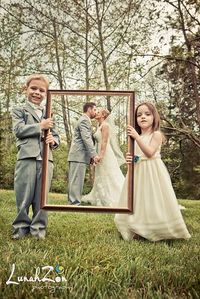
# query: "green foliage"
[60,172]
[97,263]
[183,161]
[8,152]
[7,167]
[118,52]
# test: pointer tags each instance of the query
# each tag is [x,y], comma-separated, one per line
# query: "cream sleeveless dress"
[109,179]
[156,214]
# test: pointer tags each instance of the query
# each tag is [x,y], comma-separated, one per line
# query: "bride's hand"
[97,159]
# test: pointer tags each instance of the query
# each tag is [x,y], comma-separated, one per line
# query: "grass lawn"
[94,262]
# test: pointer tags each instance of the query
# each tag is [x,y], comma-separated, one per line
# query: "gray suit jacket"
[27,130]
[82,148]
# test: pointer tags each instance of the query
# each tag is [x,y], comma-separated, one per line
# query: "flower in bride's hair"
[136,159]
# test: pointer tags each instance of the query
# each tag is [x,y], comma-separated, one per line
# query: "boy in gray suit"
[29,125]
[82,152]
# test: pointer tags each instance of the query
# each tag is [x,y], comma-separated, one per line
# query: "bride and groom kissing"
[106,156]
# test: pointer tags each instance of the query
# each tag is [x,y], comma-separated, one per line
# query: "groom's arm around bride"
[82,151]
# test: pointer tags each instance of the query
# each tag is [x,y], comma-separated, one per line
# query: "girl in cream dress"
[156,213]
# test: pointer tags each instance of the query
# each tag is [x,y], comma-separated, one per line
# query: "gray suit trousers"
[76,180]
[27,184]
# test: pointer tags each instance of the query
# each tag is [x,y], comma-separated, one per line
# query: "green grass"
[96,262]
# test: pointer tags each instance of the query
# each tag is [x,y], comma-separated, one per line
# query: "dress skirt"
[156,214]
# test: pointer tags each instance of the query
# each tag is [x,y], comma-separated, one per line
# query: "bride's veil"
[113,140]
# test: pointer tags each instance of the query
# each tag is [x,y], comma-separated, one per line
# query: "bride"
[108,179]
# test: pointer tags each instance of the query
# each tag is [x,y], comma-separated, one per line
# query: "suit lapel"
[89,121]
[32,112]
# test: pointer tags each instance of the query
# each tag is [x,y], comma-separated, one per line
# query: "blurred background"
[150,47]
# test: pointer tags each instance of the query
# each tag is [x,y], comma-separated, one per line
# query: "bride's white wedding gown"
[108,179]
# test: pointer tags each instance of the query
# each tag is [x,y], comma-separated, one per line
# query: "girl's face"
[144,118]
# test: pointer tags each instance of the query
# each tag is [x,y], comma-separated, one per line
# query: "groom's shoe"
[75,203]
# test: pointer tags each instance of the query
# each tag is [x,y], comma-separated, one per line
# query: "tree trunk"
[190,64]
[64,100]
[102,52]
[87,80]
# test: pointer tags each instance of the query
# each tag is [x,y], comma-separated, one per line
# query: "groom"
[82,152]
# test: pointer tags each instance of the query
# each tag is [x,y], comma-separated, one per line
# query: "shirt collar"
[36,107]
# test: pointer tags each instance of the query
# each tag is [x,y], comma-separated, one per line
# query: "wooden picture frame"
[44,194]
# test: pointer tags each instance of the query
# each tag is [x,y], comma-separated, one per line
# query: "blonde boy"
[29,124]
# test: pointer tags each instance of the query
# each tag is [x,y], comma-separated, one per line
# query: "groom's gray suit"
[81,152]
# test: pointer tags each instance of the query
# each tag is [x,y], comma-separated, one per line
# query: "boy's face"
[36,91]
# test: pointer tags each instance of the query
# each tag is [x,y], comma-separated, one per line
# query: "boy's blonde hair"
[37,77]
